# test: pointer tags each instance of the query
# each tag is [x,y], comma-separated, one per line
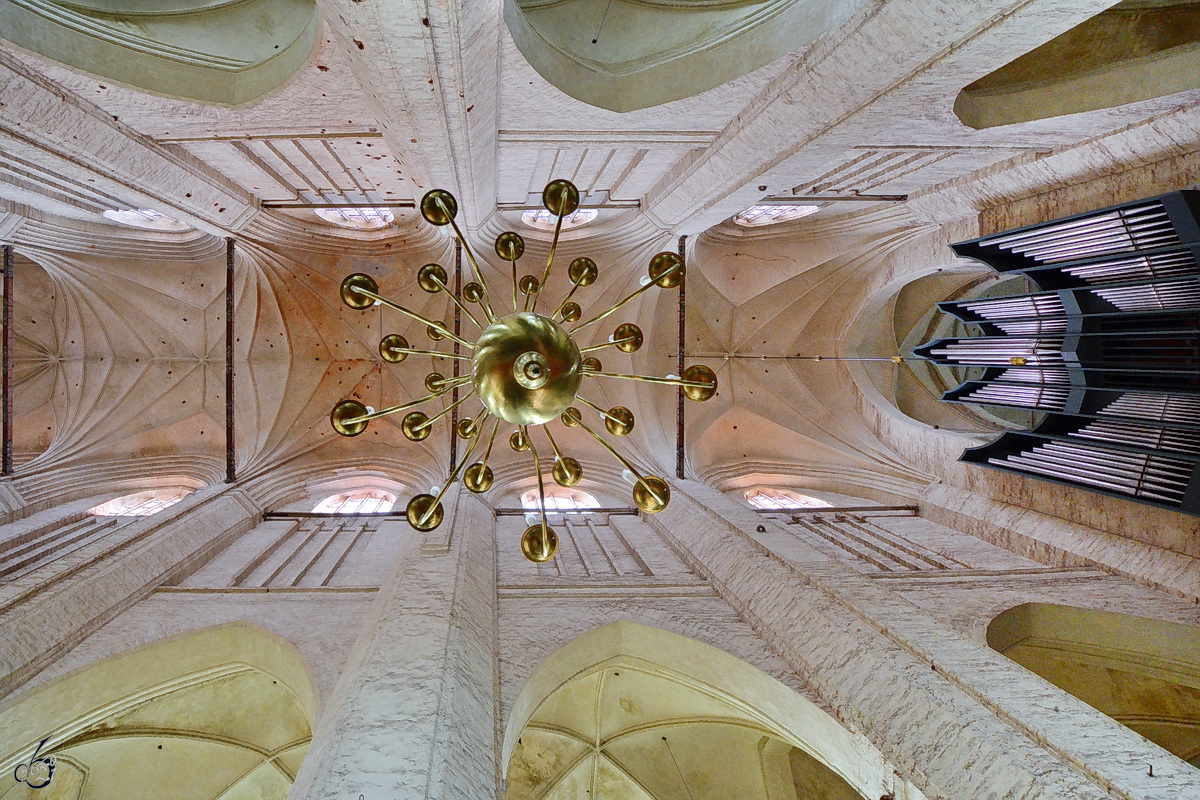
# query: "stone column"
[46,612]
[413,715]
[957,719]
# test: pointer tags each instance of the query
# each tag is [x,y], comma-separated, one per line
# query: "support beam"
[230,451]
[7,388]
[679,408]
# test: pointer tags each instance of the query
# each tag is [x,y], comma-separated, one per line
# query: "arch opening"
[628,711]
[220,713]
[1144,673]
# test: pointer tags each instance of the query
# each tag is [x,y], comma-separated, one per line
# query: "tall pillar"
[958,719]
[413,715]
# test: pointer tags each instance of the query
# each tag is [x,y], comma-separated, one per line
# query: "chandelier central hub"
[526,369]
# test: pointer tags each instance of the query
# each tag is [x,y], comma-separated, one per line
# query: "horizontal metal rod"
[384,204]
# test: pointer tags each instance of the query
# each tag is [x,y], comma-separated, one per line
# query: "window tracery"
[363,219]
[139,504]
[356,501]
[760,215]
[543,220]
[778,500]
[560,499]
[146,218]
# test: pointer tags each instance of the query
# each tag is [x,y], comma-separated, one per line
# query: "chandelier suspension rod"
[537,468]
[437,326]
[486,298]
[451,478]
[624,462]
[609,343]
[457,302]
[386,411]
[558,221]
[444,411]
[619,303]
[651,379]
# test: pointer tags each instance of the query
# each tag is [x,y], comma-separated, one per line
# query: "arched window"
[757,216]
[560,499]
[363,219]
[146,218]
[356,501]
[544,221]
[780,500]
[140,504]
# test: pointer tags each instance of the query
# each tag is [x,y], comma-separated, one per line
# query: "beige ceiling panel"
[265,782]
[542,759]
[135,768]
[632,699]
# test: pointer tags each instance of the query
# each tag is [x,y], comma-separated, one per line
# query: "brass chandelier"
[526,368]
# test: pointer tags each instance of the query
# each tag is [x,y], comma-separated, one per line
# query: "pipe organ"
[1109,349]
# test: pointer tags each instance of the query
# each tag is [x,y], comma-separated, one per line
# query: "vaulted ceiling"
[119,347]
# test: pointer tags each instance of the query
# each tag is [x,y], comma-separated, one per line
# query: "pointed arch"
[620,689]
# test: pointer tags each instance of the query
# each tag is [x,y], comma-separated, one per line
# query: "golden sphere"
[571,311]
[526,369]
[560,198]
[631,332]
[478,477]
[439,213]
[431,278]
[466,428]
[434,381]
[619,421]
[348,409]
[649,502]
[510,246]
[472,292]
[567,471]
[663,262]
[419,508]
[537,548]
[434,334]
[408,426]
[571,417]
[700,374]
[359,281]
[519,442]
[583,271]
[592,364]
[387,343]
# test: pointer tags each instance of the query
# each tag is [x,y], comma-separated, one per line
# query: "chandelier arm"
[394,409]
[453,383]
[486,299]
[513,261]
[444,411]
[609,343]
[450,479]
[553,444]
[525,305]
[602,412]
[435,353]
[629,297]
[457,302]
[624,462]
[565,300]
[651,379]
[549,260]
[439,327]
[537,468]
[491,441]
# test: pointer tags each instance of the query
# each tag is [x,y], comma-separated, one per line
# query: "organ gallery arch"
[628,711]
[1144,673]
[225,712]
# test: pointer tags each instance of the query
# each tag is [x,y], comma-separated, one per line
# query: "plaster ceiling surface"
[119,332]
[621,732]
